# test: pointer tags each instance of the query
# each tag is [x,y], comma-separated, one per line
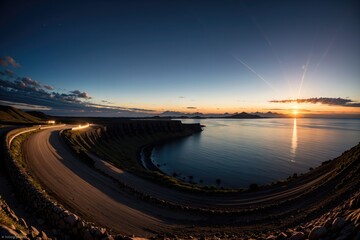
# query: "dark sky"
[209,56]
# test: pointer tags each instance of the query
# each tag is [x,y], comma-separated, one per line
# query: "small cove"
[238,152]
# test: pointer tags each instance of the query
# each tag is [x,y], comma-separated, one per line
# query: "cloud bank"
[8,61]
[322,100]
[27,93]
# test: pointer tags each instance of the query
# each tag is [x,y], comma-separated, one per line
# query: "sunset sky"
[132,58]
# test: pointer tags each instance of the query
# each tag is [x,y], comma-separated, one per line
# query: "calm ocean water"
[240,152]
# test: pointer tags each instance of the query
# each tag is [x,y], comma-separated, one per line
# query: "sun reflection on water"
[294,142]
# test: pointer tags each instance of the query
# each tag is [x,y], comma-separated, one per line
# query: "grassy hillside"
[12,115]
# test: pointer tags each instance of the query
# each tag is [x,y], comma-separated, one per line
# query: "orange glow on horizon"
[295,110]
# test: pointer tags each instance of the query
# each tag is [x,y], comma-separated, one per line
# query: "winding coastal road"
[97,198]
[86,191]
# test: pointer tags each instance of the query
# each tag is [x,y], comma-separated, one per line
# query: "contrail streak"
[252,70]
[274,52]
[267,39]
[304,74]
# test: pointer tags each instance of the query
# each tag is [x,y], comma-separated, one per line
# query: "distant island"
[243,115]
[236,115]
[11,115]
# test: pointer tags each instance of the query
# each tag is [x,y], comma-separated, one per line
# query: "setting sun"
[295,110]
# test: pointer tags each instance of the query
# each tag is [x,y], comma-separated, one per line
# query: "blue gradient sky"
[171,55]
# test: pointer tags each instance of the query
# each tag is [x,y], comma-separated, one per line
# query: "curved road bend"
[98,199]
[90,193]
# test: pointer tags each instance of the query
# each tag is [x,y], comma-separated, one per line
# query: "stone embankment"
[17,228]
[340,223]
[53,212]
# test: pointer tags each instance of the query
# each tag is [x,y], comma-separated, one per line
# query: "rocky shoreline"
[19,229]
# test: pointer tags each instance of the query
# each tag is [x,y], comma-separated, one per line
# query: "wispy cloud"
[25,106]
[9,73]
[8,61]
[26,93]
[191,107]
[28,81]
[322,100]
[288,109]
[48,87]
[140,110]
[80,94]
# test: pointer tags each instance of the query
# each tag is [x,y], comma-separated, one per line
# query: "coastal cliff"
[147,127]
[120,141]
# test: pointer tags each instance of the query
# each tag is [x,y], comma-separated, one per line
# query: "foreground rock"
[317,232]
[340,223]
[16,228]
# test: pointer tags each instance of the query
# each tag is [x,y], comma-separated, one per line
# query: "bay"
[238,152]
